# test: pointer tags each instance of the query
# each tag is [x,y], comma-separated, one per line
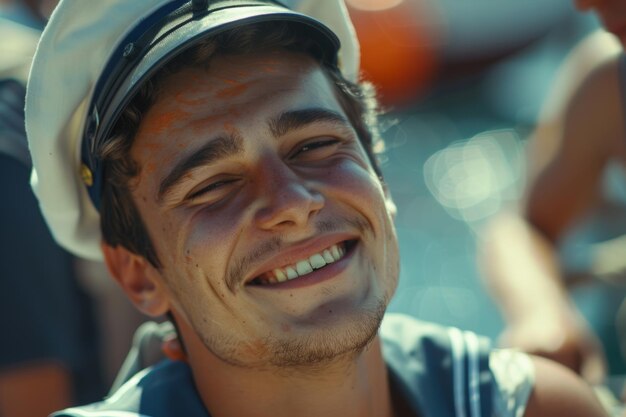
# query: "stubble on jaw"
[309,355]
[316,351]
[323,345]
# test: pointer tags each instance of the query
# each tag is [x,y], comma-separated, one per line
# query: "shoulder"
[127,399]
[587,92]
[463,366]
[560,392]
[439,350]
[405,332]
[452,372]
[165,390]
[441,370]
[594,117]
[595,50]
[600,81]
[589,63]
[405,338]
[583,115]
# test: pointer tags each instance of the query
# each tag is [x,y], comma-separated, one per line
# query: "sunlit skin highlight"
[166,121]
[233,91]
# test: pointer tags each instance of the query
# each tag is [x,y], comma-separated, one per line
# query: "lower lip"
[317,276]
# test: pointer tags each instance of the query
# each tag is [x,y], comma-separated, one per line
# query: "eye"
[213,189]
[316,149]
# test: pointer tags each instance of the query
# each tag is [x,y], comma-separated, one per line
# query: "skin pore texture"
[244,177]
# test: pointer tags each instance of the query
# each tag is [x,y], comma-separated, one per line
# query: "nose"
[287,198]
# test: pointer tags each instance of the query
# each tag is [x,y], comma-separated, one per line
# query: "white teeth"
[291,273]
[306,266]
[303,267]
[317,261]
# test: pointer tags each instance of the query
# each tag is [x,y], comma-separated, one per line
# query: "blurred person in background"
[50,357]
[580,135]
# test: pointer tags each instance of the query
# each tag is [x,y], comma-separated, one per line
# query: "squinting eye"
[215,186]
[312,146]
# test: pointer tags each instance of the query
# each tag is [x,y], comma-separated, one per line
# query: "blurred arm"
[566,160]
[35,389]
[558,392]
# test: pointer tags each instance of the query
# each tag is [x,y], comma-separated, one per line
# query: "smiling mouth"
[304,267]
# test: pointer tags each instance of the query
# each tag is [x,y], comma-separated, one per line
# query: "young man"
[580,136]
[231,165]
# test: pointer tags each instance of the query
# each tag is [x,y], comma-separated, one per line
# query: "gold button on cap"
[86,175]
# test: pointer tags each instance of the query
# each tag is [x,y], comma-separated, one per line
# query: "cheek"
[209,239]
[214,229]
[198,290]
[365,193]
[356,181]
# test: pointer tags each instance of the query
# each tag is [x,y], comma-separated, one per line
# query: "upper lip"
[298,252]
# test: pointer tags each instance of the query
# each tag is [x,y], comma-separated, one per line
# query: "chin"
[334,335]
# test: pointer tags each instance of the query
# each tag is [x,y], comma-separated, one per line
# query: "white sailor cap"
[92,57]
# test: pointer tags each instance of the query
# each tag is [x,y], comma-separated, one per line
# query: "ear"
[140,280]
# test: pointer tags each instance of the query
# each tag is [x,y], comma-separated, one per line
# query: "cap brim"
[114,91]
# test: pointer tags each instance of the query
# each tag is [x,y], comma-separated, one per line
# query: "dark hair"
[120,220]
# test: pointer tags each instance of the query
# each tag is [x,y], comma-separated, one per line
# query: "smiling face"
[274,233]
[612,13]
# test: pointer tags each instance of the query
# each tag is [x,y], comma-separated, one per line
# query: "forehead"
[234,83]
[235,92]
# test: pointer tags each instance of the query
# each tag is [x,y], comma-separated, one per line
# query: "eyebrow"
[232,144]
[297,119]
[218,148]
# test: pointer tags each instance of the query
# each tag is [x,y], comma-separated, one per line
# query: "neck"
[347,387]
